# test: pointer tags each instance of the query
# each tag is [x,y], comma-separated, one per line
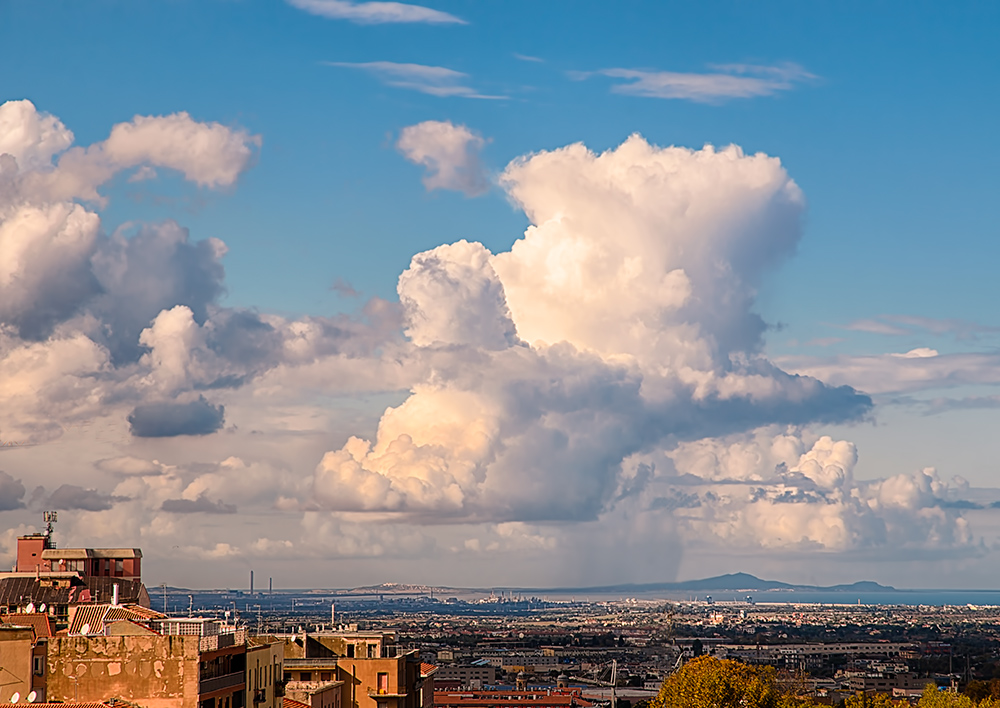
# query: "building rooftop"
[76,553]
[19,589]
[312,687]
[95,617]
[40,623]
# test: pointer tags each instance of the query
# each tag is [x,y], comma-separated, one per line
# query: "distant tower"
[522,681]
[251,583]
[562,681]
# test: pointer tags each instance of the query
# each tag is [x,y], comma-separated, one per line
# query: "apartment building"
[51,581]
[36,552]
[465,674]
[163,662]
[373,670]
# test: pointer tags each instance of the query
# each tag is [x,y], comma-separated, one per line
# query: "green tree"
[707,682]
[933,698]
[867,699]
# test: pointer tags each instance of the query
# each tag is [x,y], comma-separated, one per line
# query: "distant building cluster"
[77,626]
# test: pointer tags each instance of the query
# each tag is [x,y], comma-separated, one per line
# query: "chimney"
[114,595]
[333,616]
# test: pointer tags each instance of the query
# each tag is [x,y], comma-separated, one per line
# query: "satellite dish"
[30,698]
[41,608]
[15,698]
[85,629]
[30,608]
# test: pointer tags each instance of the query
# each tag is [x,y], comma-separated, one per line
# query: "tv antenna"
[49,518]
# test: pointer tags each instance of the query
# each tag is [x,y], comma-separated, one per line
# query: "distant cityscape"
[79,626]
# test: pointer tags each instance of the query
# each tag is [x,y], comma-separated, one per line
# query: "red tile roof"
[96,616]
[106,704]
[38,622]
[521,699]
[288,703]
[427,669]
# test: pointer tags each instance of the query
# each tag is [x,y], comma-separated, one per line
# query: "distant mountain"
[737,582]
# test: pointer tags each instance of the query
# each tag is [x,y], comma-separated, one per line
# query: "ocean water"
[980,598]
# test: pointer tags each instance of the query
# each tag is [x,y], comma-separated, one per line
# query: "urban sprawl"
[79,626]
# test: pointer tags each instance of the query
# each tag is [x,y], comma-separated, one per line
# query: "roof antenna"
[49,518]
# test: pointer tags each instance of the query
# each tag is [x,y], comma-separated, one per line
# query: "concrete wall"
[162,672]
[264,670]
[315,693]
[15,662]
[29,553]
[362,675]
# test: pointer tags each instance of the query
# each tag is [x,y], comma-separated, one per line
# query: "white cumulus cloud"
[623,319]
[449,152]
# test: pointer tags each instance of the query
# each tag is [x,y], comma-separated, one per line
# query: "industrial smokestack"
[114,595]
[251,583]
[333,616]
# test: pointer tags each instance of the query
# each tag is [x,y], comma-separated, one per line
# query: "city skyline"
[495,294]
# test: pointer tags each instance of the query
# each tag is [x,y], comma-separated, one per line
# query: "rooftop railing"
[221,682]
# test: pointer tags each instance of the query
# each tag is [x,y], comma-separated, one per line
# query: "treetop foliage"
[707,682]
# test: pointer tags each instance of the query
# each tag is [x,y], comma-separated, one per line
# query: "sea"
[973,598]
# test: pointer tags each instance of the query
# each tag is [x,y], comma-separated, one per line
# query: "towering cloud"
[622,321]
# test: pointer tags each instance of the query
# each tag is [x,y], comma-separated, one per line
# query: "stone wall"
[156,671]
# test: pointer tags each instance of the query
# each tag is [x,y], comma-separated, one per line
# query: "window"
[325,676]
[119,567]
[383,683]
[350,651]
[39,665]
[371,651]
[305,676]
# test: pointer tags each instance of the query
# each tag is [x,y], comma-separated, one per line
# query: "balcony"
[220,683]
[323,663]
[384,693]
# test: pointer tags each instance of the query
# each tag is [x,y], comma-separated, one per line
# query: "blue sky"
[890,142]
[883,114]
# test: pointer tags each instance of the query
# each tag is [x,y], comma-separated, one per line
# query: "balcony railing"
[221,682]
[377,693]
[221,641]
[324,663]
[391,651]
